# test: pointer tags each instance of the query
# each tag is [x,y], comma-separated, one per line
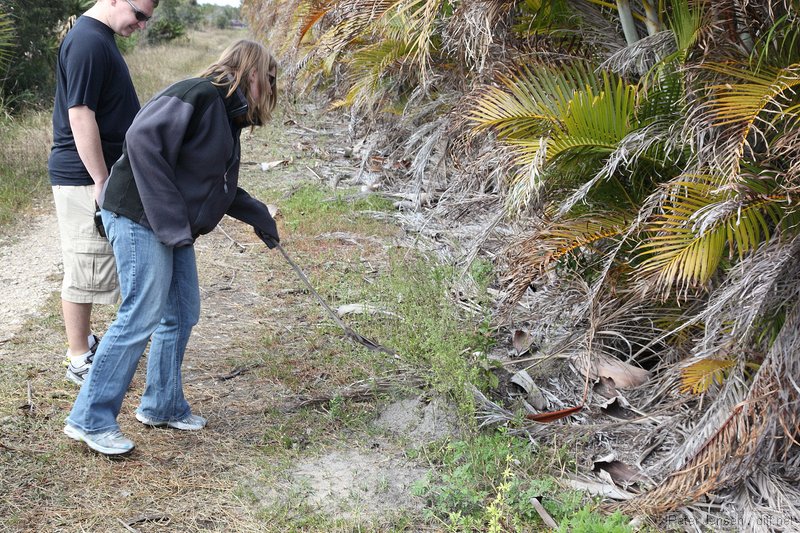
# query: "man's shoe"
[111,442]
[77,373]
[187,423]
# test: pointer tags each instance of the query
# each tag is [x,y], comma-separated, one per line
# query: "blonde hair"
[233,67]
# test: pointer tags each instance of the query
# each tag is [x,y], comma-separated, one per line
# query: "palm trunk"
[626,18]
[651,21]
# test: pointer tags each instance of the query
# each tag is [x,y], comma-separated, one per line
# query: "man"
[95,104]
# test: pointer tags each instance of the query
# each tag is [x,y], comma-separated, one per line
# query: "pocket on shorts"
[95,269]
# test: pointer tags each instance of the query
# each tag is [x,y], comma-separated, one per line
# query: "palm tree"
[733,187]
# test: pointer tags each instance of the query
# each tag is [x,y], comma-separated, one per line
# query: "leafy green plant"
[587,521]
[432,334]
[487,481]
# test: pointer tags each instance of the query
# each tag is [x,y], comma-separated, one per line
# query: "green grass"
[23,162]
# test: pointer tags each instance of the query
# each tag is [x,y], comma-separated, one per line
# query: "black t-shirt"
[90,72]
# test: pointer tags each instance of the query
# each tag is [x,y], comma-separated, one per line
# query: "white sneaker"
[77,373]
[187,423]
[111,442]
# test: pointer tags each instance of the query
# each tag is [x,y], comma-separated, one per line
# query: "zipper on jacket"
[234,159]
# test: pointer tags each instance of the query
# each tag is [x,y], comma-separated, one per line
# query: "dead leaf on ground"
[596,488]
[522,341]
[605,387]
[552,416]
[622,474]
[532,392]
[617,408]
[625,376]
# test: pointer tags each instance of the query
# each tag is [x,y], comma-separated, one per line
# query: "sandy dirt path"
[30,267]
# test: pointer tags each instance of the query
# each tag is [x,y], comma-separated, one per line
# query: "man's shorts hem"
[90,297]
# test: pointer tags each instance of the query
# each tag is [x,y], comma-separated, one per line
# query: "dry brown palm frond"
[769,500]
[344,22]
[273,20]
[786,151]
[471,31]
[758,286]
[641,56]
[746,429]
[428,144]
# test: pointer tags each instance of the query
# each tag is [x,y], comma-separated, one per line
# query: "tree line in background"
[648,154]
[31,30]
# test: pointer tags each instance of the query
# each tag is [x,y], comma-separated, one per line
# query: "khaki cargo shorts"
[90,275]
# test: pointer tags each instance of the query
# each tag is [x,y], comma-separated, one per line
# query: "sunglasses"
[140,15]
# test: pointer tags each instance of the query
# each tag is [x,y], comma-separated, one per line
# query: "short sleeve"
[85,66]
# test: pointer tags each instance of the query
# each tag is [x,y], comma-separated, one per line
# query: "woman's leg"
[163,398]
[144,266]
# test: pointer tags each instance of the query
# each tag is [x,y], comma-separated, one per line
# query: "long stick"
[349,332]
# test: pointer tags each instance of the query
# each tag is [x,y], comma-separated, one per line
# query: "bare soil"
[262,346]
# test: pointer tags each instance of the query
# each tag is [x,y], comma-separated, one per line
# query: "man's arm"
[87,140]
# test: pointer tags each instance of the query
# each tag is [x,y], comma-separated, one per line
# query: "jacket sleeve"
[253,212]
[153,145]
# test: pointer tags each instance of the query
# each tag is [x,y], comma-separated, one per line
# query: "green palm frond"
[601,115]
[685,21]
[6,41]
[686,243]
[555,117]
[780,43]
[543,16]
[373,70]
[530,102]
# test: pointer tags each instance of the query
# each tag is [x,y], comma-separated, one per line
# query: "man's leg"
[89,274]
[77,324]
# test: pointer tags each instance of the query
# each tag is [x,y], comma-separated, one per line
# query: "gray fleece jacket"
[179,170]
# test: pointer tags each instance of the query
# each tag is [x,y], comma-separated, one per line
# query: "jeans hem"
[72,423]
[164,421]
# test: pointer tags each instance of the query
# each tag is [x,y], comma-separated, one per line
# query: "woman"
[176,179]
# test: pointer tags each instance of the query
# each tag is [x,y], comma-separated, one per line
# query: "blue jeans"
[160,300]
